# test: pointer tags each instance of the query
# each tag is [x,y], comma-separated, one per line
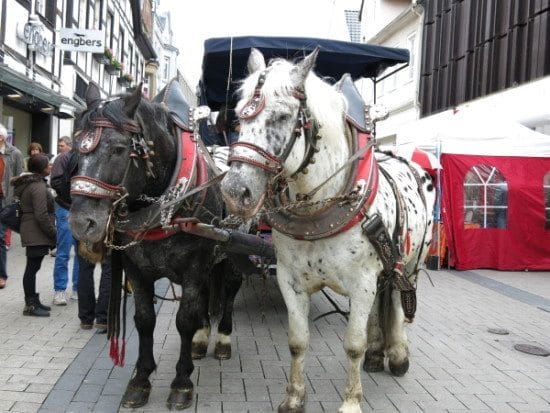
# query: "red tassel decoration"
[113,351]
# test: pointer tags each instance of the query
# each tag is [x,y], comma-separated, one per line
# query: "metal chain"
[343,199]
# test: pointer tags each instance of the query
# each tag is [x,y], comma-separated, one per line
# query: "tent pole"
[438,205]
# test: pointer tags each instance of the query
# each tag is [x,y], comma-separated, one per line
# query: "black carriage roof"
[335,59]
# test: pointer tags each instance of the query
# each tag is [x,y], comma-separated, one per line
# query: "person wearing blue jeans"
[62,170]
[61,268]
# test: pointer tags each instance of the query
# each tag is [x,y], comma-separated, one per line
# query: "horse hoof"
[180,399]
[135,396]
[374,361]
[284,408]
[198,350]
[400,369]
[222,351]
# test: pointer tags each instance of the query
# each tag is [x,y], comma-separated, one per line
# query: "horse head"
[277,133]
[125,149]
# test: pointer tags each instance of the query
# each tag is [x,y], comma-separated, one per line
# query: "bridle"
[95,188]
[256,156]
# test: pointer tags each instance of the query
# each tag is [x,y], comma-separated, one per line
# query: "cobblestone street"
[51,365]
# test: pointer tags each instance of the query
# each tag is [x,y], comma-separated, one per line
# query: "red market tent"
[495,190]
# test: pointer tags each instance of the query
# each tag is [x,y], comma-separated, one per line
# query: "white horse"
[287,114]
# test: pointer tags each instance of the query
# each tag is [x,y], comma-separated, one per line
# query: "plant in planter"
[126,79]
[103,58]
[114,67]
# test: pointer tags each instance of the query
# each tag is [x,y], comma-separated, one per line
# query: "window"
[485,198]
[98,7]
[411,45]
[546,187]
[46,9]
[109,26]
[81,87]
[166,68]
[82,14]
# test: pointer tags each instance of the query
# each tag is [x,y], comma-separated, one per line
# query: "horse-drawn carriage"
[342,216]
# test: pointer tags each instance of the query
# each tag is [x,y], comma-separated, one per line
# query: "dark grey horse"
[129,146]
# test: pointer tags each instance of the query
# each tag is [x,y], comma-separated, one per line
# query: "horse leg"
[374,356]
[199,345]
[193,304]
[397,348]
[232,284]
[297,304]
[355,344]
[139,387]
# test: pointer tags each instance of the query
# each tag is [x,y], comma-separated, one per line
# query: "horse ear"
[131,102]
[303,68]
[256,61]
[93,95]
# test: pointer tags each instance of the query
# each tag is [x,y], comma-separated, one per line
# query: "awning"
[335,58]
[11,79]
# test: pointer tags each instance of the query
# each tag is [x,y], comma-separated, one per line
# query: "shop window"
[546,187]
[485,198]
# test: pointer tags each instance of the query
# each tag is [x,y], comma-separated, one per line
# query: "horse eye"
[283,117]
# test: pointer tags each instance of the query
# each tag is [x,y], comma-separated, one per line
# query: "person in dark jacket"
[38,233]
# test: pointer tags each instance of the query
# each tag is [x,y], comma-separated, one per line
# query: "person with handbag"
[11,164]
[38,233]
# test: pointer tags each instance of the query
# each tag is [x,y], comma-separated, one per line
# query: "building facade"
[484,56]
[393,24]
[43,87]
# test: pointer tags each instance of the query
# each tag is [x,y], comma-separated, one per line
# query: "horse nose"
[89,225]
[244,194]
[236,192]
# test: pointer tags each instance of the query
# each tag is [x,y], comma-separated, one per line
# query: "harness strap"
[390,250]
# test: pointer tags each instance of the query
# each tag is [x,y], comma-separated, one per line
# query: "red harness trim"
[366,174]
[193,167]
[367,171]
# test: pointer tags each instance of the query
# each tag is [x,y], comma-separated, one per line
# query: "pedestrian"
[38,232]
[62,170]
[34,149]
[11,164]
[90,308]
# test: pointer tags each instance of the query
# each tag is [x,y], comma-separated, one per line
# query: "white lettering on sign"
[35,39]
[76,40]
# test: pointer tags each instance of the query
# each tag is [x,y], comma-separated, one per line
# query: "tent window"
[546,186]
[485,198]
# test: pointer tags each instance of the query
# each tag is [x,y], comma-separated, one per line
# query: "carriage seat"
[355,105]
[174,99]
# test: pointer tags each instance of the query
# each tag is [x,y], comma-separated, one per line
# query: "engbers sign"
[77,40]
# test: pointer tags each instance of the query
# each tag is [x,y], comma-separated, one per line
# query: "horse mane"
[324,102]
[113,110]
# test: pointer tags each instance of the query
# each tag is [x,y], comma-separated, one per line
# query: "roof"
[335,59]
[471,132]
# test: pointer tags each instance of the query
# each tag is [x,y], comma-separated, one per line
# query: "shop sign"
[78,40]
[32,34]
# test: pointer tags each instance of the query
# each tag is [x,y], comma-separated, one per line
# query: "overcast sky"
[197,20]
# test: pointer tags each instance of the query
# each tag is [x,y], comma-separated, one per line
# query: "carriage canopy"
[225,60]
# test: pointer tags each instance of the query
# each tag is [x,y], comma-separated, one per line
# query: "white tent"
[465,132]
